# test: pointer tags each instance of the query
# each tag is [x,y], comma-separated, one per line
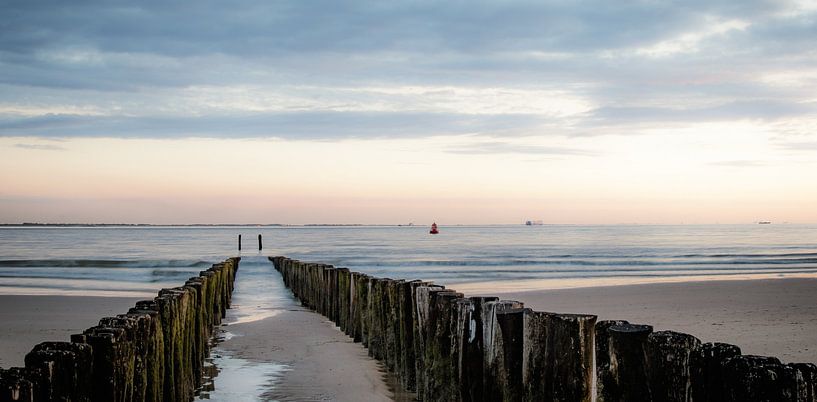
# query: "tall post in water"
[239,242]
[259,242]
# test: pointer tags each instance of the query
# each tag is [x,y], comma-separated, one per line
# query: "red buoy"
[433,228]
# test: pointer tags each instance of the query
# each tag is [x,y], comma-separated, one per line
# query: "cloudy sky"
[393,112]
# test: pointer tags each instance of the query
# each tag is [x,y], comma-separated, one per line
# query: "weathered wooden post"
[707,370]
[469,348]
[603,373]
[502,336]
[362,309]
[760,378]
[440,362]
[61,371]
[670,356]
[15,385]
[406,302]
[807,388]
[375,327]
[422,329]
[391,321]
[627,348]
[558,356]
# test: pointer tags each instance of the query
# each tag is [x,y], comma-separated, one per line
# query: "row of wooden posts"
[447,347]
[155,352]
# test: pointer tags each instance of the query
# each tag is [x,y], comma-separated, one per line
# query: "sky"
[257,111]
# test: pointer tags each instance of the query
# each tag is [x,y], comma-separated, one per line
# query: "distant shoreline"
[94,225]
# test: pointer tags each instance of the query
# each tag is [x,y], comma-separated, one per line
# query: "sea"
[140,260]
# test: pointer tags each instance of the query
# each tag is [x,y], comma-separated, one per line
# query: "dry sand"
[773,317]
[29,320]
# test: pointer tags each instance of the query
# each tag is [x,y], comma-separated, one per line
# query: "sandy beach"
[772,317]
[317,362]
[29,320]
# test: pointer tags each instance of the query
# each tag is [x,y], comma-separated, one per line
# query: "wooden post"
[558,356]
[707,370]
[440,375]
[628,364]
[239,242]
[421,336]
[670,356]
[604,375]
[15,385]
[503,322]
[470,348]
[759,378]
[259,242]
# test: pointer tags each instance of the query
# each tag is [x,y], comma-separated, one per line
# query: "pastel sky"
[472,112]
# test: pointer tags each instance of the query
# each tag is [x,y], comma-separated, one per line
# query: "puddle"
[230,378]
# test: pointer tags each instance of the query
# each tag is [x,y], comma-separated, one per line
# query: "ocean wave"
[621,261]
[81,263]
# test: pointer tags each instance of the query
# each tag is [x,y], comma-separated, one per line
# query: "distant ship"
[532,223]
[764,223]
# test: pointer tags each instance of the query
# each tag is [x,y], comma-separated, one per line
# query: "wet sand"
[772,317]
[320,363]
[29,320]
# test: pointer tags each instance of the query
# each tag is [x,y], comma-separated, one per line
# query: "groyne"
[447,347]
[154,352]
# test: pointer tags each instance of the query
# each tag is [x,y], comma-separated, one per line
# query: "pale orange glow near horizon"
[668,176]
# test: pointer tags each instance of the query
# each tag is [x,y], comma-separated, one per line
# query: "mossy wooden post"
[353,320]
[15,385]
[391,320]
[155,362]
[670,357]
[375,312]
[344,289]
[440,360]
[470,351]
[502,340]
[406,350]
[168,314]
[332,295]
[113,364]
[61,371]
[627,348]
[423,295]
[362,309]
[558,356]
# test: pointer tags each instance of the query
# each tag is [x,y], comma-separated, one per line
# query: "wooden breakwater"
[447,347]
[154,352]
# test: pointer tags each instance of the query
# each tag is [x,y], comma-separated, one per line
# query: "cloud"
[499,147]
[284,68]
[799,146]
[293,125]
[736,110]
[740,163]
[41,147]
